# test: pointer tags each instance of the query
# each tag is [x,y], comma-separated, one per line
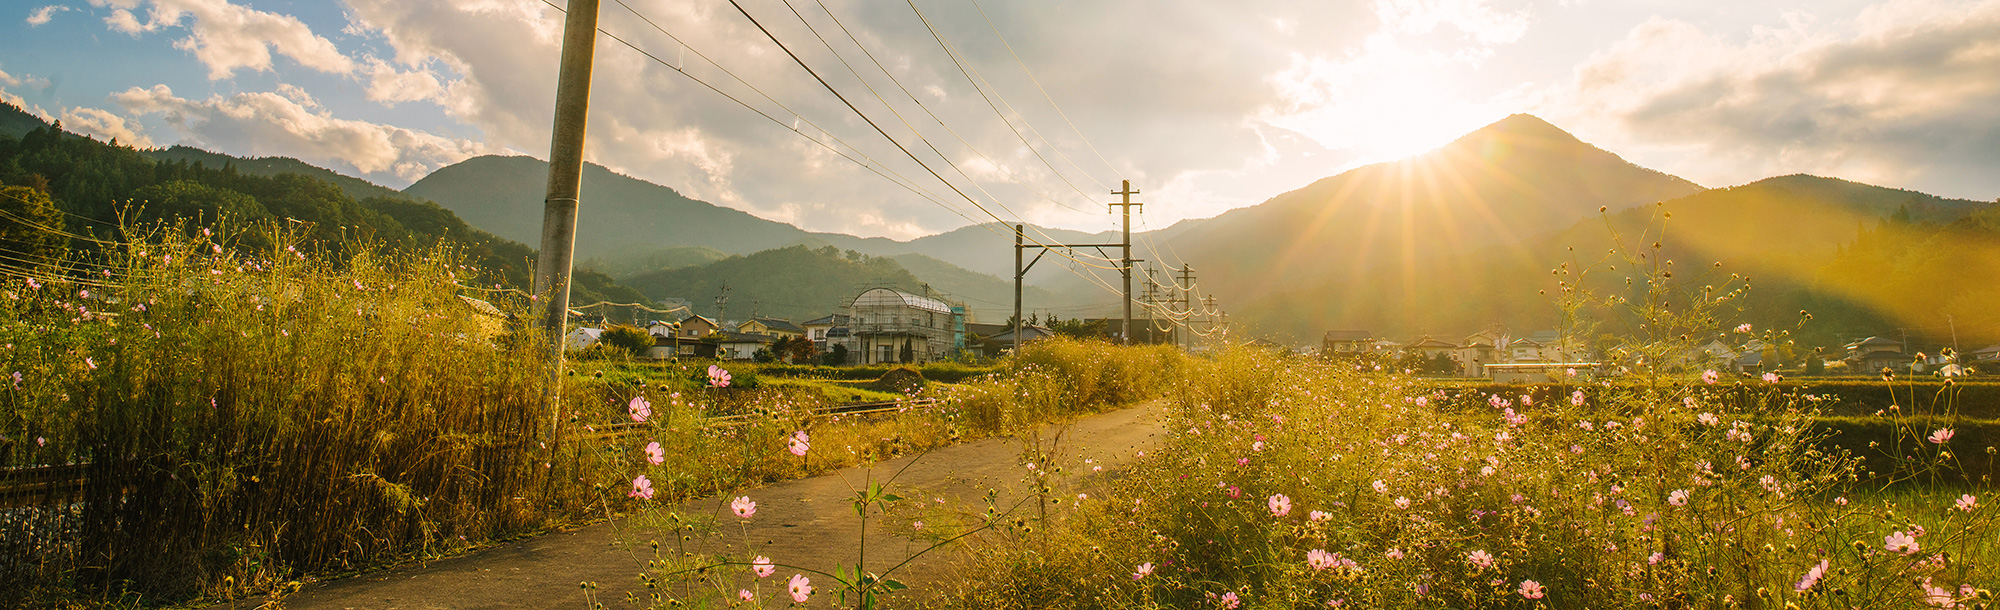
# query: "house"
[730,345]
[772,327]
[661,329]
[1527,350]
[1430,348]
[1003,343]
[816,328]
[1896,362]
[1541,372]
[1863,347]
[1347,343]
[696,327]
[1984,354]
[1479,350]
[582,338]
[886,323]
[665,347]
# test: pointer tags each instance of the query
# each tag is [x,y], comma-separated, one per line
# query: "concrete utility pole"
[1187,302]
[721,305]
[559,205]
[1126,268]
[1019,271]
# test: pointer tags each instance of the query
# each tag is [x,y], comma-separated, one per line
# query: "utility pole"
[1021,271]
[721,305]
[565,184]
[1186,287]
[1152,299]
[1126,267]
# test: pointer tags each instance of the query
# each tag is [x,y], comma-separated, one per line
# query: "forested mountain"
[272,166]
[95,186]
[794,282]
[1862,259]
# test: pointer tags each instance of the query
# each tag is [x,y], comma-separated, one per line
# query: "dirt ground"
[806,523]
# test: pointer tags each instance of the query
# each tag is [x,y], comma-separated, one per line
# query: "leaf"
[891,584]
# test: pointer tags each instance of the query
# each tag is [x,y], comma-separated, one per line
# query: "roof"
[730,336]
[881,297]
[1349,335]
[481,307]
[693,317]
[777,324]
[1525,342]
[1429,342]
[1029,333]
[1873,342]
[835,319]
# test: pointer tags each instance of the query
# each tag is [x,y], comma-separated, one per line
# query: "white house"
[737,346]
[582,338]
[884,321]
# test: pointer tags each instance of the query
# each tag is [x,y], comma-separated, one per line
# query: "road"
[807,523]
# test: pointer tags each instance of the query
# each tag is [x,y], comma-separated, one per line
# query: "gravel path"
[806,522]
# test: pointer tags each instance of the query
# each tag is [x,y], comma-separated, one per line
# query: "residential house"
[665,347]
[1430,348]
[1528,350]
[661,329]
[696,327]
[1002,343]
[817,328]
[1479,350]
[582,338]
[730,345]
[772,327]
[1877,353]
[1347,343]
[1985,354]
[886,321]
[1863,347]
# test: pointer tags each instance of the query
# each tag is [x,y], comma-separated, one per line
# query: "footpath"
[807,523]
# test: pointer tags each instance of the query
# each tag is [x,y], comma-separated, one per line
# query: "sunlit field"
[1293,484]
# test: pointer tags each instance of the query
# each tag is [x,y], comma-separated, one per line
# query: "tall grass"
[244,415]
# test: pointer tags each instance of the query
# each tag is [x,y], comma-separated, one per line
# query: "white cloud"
[1905,94]
[389,85]
[226,37]
[1477,19]
[104,125]
[282,124]
[41,16]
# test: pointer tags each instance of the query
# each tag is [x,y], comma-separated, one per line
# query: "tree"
[834,356]
[797,350]
[1078,328]
[908,355]
[631,339]
[28,219]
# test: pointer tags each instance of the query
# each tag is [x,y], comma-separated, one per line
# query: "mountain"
[990,298]
[1804,242]
[272,166]
[794,282]
[16,122]
[670,257]
[1506,183]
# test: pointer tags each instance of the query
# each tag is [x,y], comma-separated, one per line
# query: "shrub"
[634,341]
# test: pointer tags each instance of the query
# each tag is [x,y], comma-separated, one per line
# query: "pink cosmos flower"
[1654,559]
[1770,378]
[798,443]
[1143,570]
[1531,589]
[1230,601]
[1280,505]
[1257,446]
[1743,328]
[717,377]
[745,595]
[743,507]
[655,454]
[1402,502]
[1812,577]
[1938,437]
[1395,553]
[1710,376]
[1480,559]
[801,588]
[642,488]
[92,363]
[1319,559]
[1576,398]
[1380,487]
[1679,497]
[1901,542]
[761,566]
[639,409]
[1967,502]
[1319,515]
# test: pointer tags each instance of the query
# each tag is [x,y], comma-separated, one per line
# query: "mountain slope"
[794,282]
[1508,182]
[1786,233]
[272,166]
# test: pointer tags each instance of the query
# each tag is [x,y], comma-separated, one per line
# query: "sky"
[1029,109]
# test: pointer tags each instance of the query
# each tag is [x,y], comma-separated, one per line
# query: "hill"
[990,298]
[670,257]
[1831,247]
[272,166]
[794,282]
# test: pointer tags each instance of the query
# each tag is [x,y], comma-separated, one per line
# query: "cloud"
[104,125]
[41,16]
[289,123]
[226,37]
[1175,98]
[1907,94]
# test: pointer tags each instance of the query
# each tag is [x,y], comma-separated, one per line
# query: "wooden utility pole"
[1019,271]
[565,186]
[1186,286]
[1126,267]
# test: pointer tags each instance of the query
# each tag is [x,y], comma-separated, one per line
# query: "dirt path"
[806,522]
